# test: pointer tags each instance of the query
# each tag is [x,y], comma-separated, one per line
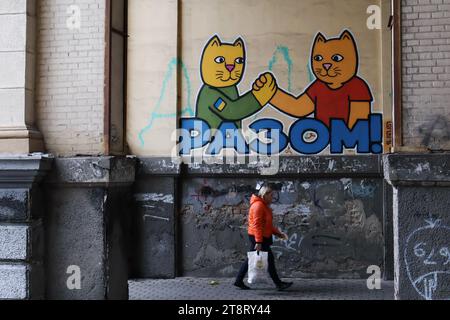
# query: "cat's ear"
[239,43]
[214,42]
[346,35]
[320,38]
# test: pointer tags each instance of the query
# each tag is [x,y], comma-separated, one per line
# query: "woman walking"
[260,231]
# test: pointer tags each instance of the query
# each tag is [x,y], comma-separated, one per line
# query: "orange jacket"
[260,220]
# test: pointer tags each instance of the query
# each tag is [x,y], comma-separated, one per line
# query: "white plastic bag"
[258,267]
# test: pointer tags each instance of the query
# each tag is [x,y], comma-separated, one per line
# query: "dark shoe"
[284,285]
[241,286]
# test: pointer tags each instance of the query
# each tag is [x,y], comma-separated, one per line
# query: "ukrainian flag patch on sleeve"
[220,104]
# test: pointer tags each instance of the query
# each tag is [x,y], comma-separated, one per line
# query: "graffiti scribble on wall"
[427,260]
[335,110]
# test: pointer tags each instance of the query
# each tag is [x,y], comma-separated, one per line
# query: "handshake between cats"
[337,92]
[264,88]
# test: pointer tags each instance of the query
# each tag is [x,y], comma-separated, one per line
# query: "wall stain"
[436,134]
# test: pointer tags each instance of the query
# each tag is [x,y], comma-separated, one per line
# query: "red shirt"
[335,104]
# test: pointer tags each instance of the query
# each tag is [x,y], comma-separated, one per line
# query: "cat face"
[223,64]
[335,61]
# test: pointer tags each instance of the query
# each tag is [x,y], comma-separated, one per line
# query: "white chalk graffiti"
[154,197]
[427,260]
[293,243]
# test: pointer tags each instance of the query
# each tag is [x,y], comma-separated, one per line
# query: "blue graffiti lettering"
[228,136]
[366,137]
[303,126]
[194,134]
[274,132]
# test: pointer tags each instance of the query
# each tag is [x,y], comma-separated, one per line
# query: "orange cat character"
[337,93]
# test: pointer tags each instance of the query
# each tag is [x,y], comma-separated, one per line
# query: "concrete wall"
[424,252]
[335,226]
[426,73]
[331,208]
[70,76]
[155,218]
[421,225]
[87,226]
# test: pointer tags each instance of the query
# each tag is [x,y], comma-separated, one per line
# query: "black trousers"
[267,242]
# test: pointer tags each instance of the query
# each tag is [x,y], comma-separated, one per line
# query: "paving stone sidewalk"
[222,289]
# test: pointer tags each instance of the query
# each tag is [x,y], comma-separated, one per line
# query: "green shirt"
[216,105]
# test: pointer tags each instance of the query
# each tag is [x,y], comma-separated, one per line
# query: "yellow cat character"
[222,69]
[338,92]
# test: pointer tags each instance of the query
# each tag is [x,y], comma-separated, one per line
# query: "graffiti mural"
[335,111]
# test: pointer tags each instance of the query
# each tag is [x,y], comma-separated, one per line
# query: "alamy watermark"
[73,22]
[198,146]
[374,280]
[74,280]
[374,20]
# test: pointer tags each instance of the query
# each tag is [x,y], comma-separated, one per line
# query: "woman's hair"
[264,190]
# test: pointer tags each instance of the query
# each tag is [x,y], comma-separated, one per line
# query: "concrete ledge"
[158,167]
[93,171]
[18,170]
[413,169]
[317,166]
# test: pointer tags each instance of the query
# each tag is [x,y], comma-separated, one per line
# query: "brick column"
[426,74]
[17,63]
[70,76]
[21,227]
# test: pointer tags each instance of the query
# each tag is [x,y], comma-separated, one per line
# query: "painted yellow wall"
[265,25]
